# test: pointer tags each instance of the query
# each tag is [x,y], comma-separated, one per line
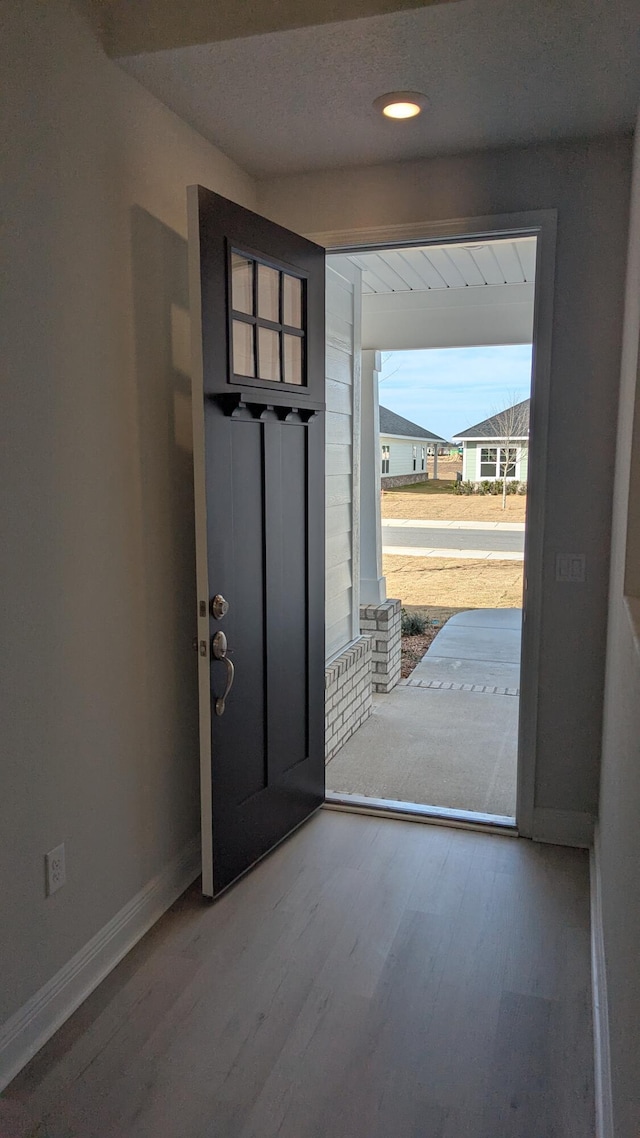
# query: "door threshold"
[416,812]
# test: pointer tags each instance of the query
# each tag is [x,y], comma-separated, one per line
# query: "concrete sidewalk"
[451,553]
[446,736]
[435,523]
[479,648]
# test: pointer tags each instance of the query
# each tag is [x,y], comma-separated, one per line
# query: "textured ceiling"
[497,72]
[154,25]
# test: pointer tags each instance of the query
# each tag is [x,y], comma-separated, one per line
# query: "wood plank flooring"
[370,979]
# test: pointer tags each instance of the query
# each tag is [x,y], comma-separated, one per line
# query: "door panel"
[259,472]
[287,608]
[235,468]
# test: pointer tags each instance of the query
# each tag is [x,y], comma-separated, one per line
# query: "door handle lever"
[219,652]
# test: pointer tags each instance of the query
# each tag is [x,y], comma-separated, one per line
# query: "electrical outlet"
[56,874]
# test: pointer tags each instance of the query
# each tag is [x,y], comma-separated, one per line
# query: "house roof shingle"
[392,424]
[492,428]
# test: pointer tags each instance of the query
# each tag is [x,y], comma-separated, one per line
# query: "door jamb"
[543,225]
[202,564]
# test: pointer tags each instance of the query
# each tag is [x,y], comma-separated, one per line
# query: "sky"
[448,390]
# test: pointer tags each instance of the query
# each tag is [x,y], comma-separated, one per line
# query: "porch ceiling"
[446,296]
[478,264]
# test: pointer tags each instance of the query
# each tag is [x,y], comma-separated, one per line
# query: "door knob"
[219,652]
[219,606]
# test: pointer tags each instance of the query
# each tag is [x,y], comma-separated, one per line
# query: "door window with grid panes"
[267,322]
[385,459]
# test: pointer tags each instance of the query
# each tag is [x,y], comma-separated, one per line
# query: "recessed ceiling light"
[401,104]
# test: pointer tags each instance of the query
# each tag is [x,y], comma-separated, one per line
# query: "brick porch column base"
[347,694]
[382,623]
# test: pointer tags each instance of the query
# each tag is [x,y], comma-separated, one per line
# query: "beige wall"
[100,746]
[619,827]
[588,184]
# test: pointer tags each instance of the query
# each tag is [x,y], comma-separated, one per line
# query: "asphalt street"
[451,536]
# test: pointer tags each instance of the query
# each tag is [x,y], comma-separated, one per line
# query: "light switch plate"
[571,568]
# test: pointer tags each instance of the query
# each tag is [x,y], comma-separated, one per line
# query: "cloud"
[448,389]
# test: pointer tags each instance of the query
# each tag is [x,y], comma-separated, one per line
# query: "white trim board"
[202,555]
[33,1024]
[427,232]
[542,224]
[488,439]
[601,1052]
[563,827]
[414,438]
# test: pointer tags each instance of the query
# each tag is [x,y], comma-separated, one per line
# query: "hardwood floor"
[371,979]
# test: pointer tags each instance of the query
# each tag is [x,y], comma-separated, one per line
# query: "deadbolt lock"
[219,606]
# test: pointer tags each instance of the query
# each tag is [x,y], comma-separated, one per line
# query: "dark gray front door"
[258,311]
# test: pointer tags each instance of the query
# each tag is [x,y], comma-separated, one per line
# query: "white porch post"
[373,587]
[435,460]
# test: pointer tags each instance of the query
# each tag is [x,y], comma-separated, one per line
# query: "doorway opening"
[439,506]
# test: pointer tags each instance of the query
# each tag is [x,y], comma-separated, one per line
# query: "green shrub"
[413,624]
[489,486]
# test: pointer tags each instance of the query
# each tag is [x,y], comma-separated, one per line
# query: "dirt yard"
[434,500]
[414,648]
[443,585]
[447,467]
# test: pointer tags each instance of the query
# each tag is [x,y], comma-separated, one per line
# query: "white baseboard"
[563,827]
[30,1028]
[602,1058]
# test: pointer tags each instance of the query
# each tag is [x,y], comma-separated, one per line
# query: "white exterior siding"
[342,458]
[469,462]
[401,454]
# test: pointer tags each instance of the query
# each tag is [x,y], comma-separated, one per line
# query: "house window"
[488,462]
[415,458]
[507,462]
[423,457]
[385,459]
[498,462]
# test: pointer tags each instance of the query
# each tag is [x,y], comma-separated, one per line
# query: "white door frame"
[541,224]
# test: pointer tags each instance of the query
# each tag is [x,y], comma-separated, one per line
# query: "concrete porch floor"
[446,736]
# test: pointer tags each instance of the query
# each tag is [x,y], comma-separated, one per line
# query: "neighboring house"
[497,444]
[404,448]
